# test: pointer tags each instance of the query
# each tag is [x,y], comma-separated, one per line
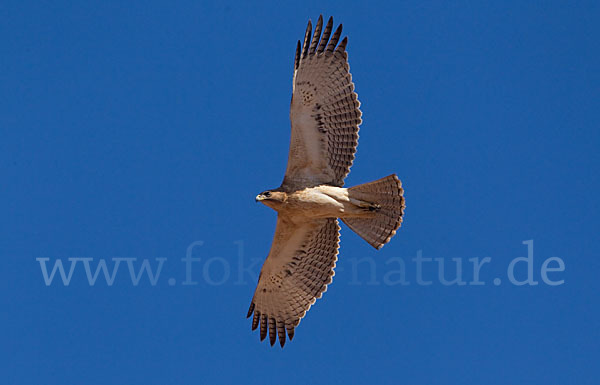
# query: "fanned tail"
[385,195]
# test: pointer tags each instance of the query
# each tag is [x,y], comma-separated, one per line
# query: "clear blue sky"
[134,130]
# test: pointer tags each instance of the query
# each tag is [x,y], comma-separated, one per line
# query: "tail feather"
[386,196]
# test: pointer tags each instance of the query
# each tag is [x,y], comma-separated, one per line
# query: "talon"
[374,207]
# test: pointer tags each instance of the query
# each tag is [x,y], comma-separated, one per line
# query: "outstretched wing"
[324,111]
[295,274]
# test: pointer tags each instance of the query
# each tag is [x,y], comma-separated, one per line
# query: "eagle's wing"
[296,273]
[324,111]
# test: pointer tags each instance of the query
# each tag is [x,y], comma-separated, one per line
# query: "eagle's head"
[272,198]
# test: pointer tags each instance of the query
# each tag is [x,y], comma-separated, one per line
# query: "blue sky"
[140,131]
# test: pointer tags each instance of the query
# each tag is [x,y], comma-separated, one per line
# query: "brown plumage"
[325,117]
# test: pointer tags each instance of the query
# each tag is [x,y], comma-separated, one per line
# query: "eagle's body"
[319,202]
[325,116]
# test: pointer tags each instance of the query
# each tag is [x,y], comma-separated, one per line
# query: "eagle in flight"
[325,117]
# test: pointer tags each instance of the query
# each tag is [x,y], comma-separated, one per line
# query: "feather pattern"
[316,36]
[324,112]
[296,273]
[325,37]
[388,194]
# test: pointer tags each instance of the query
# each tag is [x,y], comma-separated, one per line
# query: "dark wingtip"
[343,44]
[272,330]
[281,332]
[306,43]
[251,310]
[297,58]
[335,38]
[263,327]
[316,36]
[325,36]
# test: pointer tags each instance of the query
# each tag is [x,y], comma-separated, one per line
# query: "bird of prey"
[325,116]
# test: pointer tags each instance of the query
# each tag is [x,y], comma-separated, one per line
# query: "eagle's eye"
[267,194]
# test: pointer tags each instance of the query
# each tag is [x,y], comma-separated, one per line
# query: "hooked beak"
[258,198]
